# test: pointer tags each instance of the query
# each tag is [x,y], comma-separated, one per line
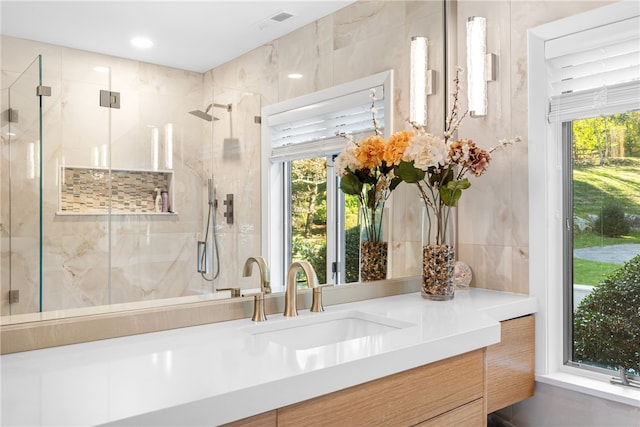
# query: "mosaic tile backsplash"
[87,190]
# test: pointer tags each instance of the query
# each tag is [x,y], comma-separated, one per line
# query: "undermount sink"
[316,330]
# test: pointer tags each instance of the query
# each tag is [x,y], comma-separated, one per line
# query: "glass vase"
[374,251]
[438,254]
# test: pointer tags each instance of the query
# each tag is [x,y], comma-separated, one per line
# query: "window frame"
[335,223]
[273,175]
[546,219]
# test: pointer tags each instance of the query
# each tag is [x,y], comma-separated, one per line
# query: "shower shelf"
[86,191]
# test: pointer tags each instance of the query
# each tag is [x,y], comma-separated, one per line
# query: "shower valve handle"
[229,211]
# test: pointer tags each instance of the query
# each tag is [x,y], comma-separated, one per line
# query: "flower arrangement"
[366,173]
[372,168]
[439,165]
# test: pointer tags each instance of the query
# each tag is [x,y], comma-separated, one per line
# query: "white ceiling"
[190,35]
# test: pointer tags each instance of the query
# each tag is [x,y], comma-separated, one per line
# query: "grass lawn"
[591,272]
[592,187]
[590,239]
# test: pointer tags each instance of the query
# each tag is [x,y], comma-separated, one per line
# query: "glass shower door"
[20,201]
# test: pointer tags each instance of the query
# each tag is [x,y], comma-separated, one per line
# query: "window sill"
[592,384]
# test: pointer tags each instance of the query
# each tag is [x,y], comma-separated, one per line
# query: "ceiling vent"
[282,16]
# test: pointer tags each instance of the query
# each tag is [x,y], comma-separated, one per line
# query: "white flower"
[347,159]
[427,151]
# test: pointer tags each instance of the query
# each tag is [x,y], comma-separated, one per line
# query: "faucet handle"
[316,298]
[258,308]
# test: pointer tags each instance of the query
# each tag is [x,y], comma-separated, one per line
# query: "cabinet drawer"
[469,415]
[405,398]
[510,364]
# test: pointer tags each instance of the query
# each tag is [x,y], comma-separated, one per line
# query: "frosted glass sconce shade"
[418,81]
[480,66]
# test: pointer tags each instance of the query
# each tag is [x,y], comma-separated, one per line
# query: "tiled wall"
[365,38]
[362,39]
[493,215]
[88,190]
[143,257]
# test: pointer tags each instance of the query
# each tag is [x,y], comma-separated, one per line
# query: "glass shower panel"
[156,151]
[76,186]
[234,162]
[20,193]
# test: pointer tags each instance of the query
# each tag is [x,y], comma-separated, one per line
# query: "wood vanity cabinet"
[419,395]
[510,364]
[266,419]
[458,391]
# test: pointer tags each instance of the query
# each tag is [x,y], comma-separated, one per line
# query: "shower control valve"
[229,211]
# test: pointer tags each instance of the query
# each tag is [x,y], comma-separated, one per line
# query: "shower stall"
[108,183]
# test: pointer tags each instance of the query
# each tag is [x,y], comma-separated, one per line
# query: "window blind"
[318,130]
[595,72]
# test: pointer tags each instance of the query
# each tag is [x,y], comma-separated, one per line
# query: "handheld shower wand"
[203,248]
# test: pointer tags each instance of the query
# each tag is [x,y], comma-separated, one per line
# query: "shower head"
[201,114]
[204,114]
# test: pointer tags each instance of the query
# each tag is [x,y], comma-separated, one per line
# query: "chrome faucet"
[291,291]
[264,272]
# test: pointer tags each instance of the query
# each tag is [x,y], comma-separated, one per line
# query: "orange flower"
[370,151]
[396,146]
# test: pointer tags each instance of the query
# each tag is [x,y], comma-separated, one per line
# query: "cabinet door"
[510,364]
[469,415]
[403,399]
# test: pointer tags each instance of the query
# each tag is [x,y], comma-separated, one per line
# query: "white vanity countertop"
[216,373]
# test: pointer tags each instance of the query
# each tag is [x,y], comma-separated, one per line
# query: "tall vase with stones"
[373,246]
[438,254]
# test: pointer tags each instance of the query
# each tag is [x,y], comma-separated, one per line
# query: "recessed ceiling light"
[141,42]
[101,69]
[295,76]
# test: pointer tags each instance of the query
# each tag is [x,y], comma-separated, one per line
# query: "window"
[584,97]
[307,216]
[602,182]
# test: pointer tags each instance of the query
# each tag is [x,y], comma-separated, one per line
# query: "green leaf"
[452,191]
[365,176]
[409,173]
[394,183]
[442,178]
[350,184]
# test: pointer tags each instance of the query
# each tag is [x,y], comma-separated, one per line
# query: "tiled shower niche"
[85,191]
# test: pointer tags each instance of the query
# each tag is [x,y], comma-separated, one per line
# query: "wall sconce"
[480,66]
[421,81]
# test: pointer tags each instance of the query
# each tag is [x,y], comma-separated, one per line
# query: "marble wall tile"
[491,265]
[307,51]
[236,170]
[365,20]
[360,40]
[76,128]
[493,214]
